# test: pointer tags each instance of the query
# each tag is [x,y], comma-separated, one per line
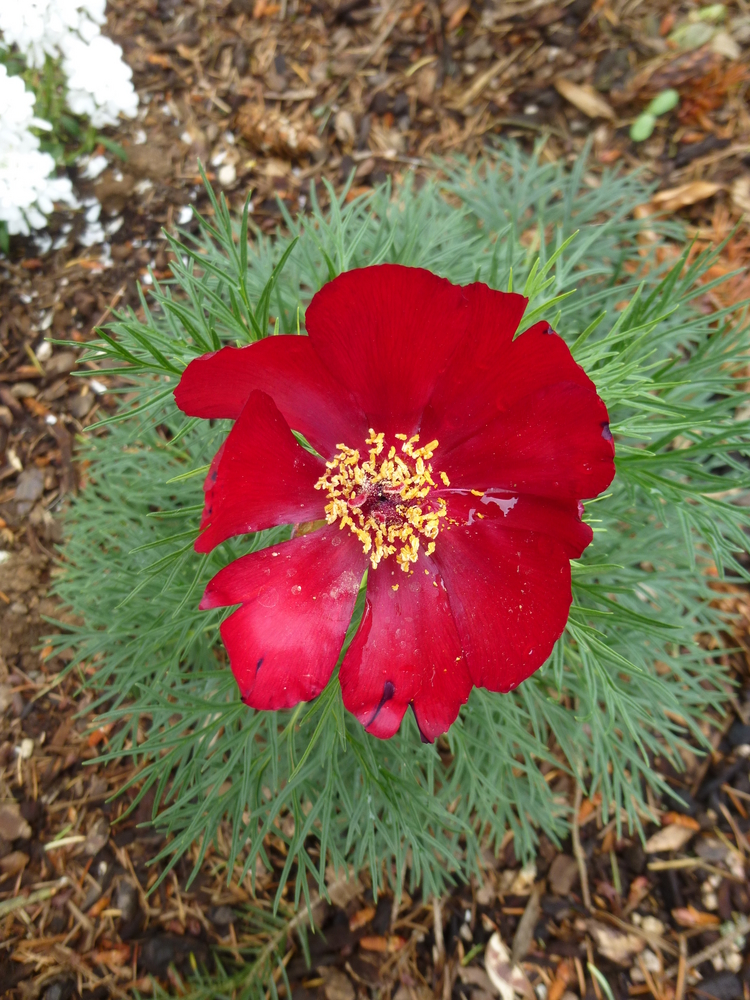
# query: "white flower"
[38,27]
[99,82]
[27,191]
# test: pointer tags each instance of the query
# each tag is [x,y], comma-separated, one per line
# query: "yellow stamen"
[382,500]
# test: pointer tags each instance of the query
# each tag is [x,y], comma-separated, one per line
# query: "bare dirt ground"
[273,96]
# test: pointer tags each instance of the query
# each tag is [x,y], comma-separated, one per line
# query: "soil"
[271,97]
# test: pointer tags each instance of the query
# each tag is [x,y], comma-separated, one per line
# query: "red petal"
[554,443]
[559,519]
[264,477]
[208,486]
[386,332]
[406,652]
[289,370]
[297,601]
[465,392]
[509,592]
[477,387]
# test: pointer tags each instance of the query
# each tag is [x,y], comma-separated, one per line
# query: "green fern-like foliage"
[628,680]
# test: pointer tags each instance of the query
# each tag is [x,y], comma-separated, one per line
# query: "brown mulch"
[272,96]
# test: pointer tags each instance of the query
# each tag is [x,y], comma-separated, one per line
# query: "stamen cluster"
[384,500]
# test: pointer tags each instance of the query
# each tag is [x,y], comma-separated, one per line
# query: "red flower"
[454,462]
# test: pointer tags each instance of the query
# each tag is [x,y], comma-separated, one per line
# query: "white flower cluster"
[27,191]
[99,86]
[99,82]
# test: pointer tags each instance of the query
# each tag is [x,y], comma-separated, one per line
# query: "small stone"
[60,363]
[18,608]
[650,960]
[80,404]
[400,104]
[733,961]
[26,748]
[24,390]
[724,986]
[12,824]
[381,102]
[61,989]
[227,175]
[563,874]
[738,734]
[346,131]
[13,863]
[711,849]
[29,488]
[222,916]
[652,926]
[97,837]
[126,900]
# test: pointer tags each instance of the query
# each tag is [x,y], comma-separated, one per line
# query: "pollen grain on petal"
[384,499]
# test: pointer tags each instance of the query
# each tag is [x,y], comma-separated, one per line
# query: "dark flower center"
[384,499]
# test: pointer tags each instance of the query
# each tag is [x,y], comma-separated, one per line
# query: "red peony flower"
[454,459]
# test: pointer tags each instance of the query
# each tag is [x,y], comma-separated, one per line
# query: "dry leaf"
[563,874]
[741,194]
[688,916]
[584,98]
[523,881]
[669,838]
[587,807]
[686,194]
[615,945]
[507,978]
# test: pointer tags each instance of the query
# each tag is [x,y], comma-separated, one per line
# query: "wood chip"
[585,98]
[336,985]
[669,838]
[686,194]
[361,917]
[681,820]
[688,916]
[386,945]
